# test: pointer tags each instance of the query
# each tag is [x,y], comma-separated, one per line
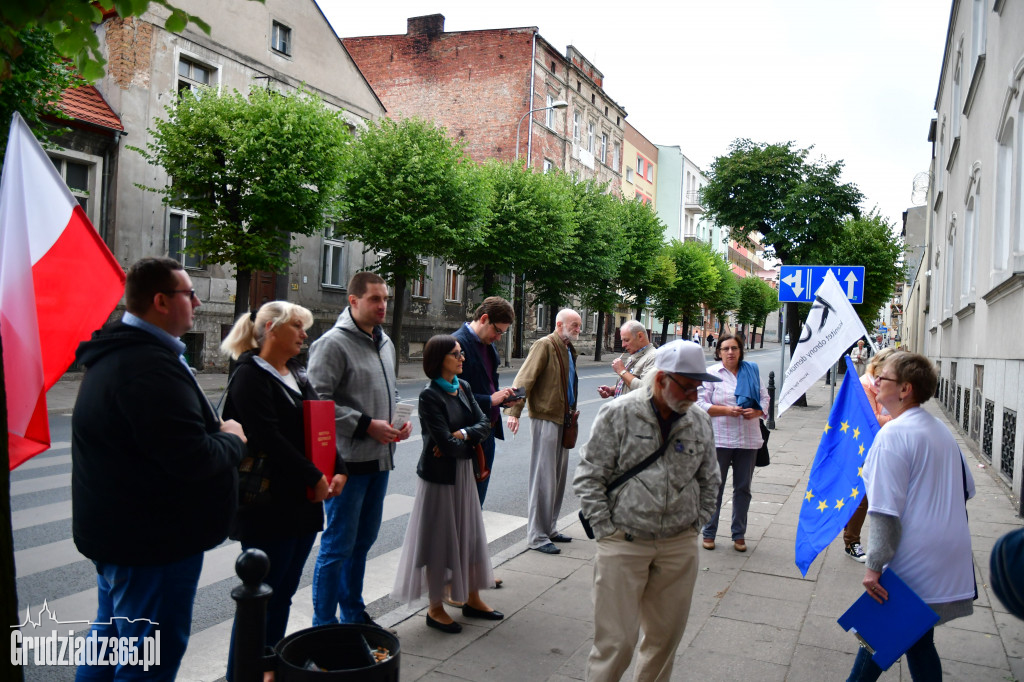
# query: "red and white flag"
[58,283]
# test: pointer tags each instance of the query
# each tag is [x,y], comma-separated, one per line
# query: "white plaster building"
[971,282]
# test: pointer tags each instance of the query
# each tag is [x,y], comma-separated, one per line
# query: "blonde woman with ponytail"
[265,395]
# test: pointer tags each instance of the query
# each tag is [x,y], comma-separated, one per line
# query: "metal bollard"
[251,599]
[771,400]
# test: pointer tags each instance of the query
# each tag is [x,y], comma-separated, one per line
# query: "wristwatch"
[464,434]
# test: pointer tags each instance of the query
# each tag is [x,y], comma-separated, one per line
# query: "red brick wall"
[476,83]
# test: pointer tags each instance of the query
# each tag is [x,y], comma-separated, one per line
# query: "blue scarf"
[452,387]
[748,385]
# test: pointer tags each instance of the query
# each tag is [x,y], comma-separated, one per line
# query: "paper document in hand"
[402,413]
[831,327]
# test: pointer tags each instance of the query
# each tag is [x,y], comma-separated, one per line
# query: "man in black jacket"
[154,470]
[480,368]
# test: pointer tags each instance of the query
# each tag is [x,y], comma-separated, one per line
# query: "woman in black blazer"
[265,395]
[445,543]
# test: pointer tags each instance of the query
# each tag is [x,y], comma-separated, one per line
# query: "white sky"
[854,78]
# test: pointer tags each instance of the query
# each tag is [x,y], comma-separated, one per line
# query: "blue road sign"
[797,283]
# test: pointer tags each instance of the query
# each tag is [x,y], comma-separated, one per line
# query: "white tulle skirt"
[445,543]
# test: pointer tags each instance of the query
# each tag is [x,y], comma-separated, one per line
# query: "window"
[650,172]
[549,121]
[192,74]
[604,148]
[452,284]
[281,38]
[947,284]
[576,127]
[77,177]
[640,166]
[970,249]
[590,137]
[333,263]
[1004,200]
[979,14]
[629,175]
[178,234]
[418,286]
[615,155]
[540,315]
[957,103]
[548,165]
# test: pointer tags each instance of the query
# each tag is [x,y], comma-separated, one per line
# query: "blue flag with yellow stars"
[836,486]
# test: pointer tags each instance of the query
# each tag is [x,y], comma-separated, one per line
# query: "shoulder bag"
[633,471]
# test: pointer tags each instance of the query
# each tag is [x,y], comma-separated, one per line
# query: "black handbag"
[762,454]
[633,471]
[253,482]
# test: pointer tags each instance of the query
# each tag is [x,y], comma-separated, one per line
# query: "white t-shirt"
[915,471]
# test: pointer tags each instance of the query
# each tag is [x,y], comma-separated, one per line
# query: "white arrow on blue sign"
[797,283]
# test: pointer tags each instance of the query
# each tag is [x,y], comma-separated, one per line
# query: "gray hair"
[634,327]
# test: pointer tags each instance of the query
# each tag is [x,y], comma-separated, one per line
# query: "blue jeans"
[353,520]
[922,659]
[163,594]
[287,559]
[481,486]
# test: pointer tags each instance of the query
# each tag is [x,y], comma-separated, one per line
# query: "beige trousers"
[641,585]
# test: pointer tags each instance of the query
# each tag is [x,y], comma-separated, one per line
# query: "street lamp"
[557,104]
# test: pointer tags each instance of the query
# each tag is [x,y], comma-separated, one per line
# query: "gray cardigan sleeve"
[885,538]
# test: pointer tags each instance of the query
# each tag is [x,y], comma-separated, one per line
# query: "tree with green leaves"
[34,87]
[528,226]
[410,191]
[725,295]
[873,242]
[696,277]
[796,204]
[757,301]
[70,22]
[641,271]
[252,169]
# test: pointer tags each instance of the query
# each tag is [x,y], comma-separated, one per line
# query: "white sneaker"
[856,552]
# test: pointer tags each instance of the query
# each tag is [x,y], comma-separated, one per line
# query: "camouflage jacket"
[677,492]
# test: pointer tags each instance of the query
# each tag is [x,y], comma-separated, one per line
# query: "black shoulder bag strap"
[637,468]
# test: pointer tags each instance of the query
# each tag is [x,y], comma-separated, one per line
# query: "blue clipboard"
[887,630]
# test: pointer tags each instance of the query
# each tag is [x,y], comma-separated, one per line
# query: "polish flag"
[58,283]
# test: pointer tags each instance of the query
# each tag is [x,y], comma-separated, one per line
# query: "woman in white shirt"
[735,404]
[917,486]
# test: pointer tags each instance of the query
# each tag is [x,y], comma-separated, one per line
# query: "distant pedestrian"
[711,340]
[859,355]
[646,531]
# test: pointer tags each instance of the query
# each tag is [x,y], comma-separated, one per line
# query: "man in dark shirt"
[480,368]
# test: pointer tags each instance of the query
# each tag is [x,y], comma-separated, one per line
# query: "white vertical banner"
[831,327]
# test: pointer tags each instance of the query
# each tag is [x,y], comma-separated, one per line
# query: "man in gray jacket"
[353,364]
[647,528]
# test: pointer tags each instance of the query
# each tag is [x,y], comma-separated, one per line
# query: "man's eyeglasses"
[683,387]
[191,292]
[497,331]
[458,354]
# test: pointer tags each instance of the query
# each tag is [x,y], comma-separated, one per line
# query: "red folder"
[321,449]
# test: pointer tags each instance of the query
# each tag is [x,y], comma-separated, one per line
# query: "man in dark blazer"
[480,368]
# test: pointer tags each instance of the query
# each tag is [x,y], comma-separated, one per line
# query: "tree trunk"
[764,329]
[600,336]
[243,284]
[552,314]
[397,318]
[519,303]
[489,282]
[794,327]
[639,313]
[664,331]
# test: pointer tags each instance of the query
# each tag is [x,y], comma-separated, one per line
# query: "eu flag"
[836,486]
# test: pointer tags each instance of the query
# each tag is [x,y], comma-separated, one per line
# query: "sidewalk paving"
[752,615]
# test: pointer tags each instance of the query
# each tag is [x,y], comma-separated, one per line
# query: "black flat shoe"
[469,612]
[451,628]
[547,548]
[558,537]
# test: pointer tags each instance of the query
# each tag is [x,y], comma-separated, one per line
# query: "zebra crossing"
[50,569]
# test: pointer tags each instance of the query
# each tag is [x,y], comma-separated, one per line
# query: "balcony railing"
[692,202]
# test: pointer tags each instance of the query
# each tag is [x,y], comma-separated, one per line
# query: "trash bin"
[338,652]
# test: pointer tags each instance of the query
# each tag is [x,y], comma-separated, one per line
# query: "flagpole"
[835,379]
[782,343]
[8,577]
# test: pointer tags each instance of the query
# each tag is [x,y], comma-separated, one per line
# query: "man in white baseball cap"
[658,455]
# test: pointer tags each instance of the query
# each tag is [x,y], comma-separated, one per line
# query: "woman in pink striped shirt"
[734,404]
